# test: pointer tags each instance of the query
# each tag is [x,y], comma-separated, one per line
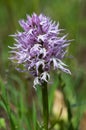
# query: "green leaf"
[2,123]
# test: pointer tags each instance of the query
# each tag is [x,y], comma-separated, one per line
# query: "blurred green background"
[71,15]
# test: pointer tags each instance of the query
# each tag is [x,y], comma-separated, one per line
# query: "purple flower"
[39,47]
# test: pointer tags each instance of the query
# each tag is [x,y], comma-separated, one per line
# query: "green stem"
[45,105]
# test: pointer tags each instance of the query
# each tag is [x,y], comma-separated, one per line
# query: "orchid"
[39,47]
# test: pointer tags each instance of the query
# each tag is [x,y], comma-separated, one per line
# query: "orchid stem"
[45,105]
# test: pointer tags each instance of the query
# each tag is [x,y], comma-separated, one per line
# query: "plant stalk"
[45,105]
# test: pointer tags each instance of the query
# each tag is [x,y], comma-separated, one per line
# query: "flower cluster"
[39,47]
